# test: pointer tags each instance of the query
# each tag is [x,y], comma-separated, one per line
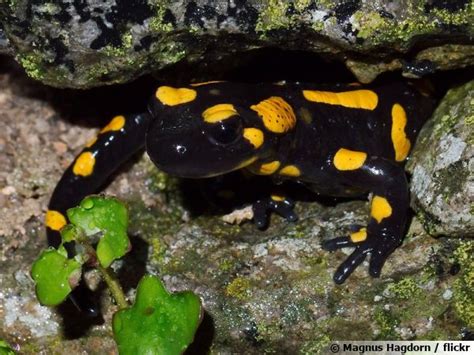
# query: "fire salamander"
[339,140]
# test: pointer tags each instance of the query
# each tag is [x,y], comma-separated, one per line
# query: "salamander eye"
[225,132]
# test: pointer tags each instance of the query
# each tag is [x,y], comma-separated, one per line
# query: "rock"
[263,292]
[85,44]
[442,164]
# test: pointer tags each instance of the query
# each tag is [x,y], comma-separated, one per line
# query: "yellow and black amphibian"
[343,140]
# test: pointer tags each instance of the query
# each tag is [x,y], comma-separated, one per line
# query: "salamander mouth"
[193,156]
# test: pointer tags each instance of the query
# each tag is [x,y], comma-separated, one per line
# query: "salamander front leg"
[281,205]
[388,215]
[115,144]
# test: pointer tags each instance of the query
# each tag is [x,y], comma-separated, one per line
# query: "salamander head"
[193,140]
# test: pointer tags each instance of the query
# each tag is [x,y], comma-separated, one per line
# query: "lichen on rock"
[81,45]
[442,186]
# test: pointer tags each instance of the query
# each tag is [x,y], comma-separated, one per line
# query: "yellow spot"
[266,168]
[91,142]
[278,198]
[55,220]
[359,236]
[172,96]
[116,124]
[206,83]
[276,113]
[401,144]
[363,99]
[84,165]
[380,208]
[290,170]
[254,136]
[219,113]
[346,159]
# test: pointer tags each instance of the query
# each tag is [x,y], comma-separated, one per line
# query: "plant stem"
[108,276]
[114,286]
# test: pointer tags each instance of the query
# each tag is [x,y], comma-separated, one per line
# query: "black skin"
[180,143]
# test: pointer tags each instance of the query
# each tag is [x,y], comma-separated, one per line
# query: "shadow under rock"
[203,338]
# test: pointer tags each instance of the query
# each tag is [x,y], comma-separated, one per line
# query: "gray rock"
[92,43]
[442,164]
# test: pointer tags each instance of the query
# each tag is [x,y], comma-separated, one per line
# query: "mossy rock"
[442,164]
[68,44]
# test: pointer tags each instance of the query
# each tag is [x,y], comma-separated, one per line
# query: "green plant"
[158,322]
[5,348]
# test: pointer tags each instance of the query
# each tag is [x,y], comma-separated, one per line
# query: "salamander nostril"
[181,149]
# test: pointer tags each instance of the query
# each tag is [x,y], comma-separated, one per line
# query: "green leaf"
[107,215]
[5,348]
[71,233]
[55,276]
[158,322]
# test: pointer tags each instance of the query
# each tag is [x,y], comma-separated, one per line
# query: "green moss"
[317,263]
[33,347]
[448,55]
[301,5]
[316,346]
[436,334]
[158,249]
[159,182]
[156,23]
[404,31]
[457,18]
[164,53]
[226,265]
[469,119]
[463,290]
[33,64]
[193,261]
[13,4]
[273,16]
[369,23]
[446,124]
[267,331]
[106,68]
[49,8]
[428,274]
[318,26]
[379,30]
[297,231]
[449,187]
[169,52]
[326,4]
[238,288]
[153,224]
[217,228]
[464,302]
[188,260]
[387,323]
[121,51]
[404,289]
[453,106]
[429,221]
